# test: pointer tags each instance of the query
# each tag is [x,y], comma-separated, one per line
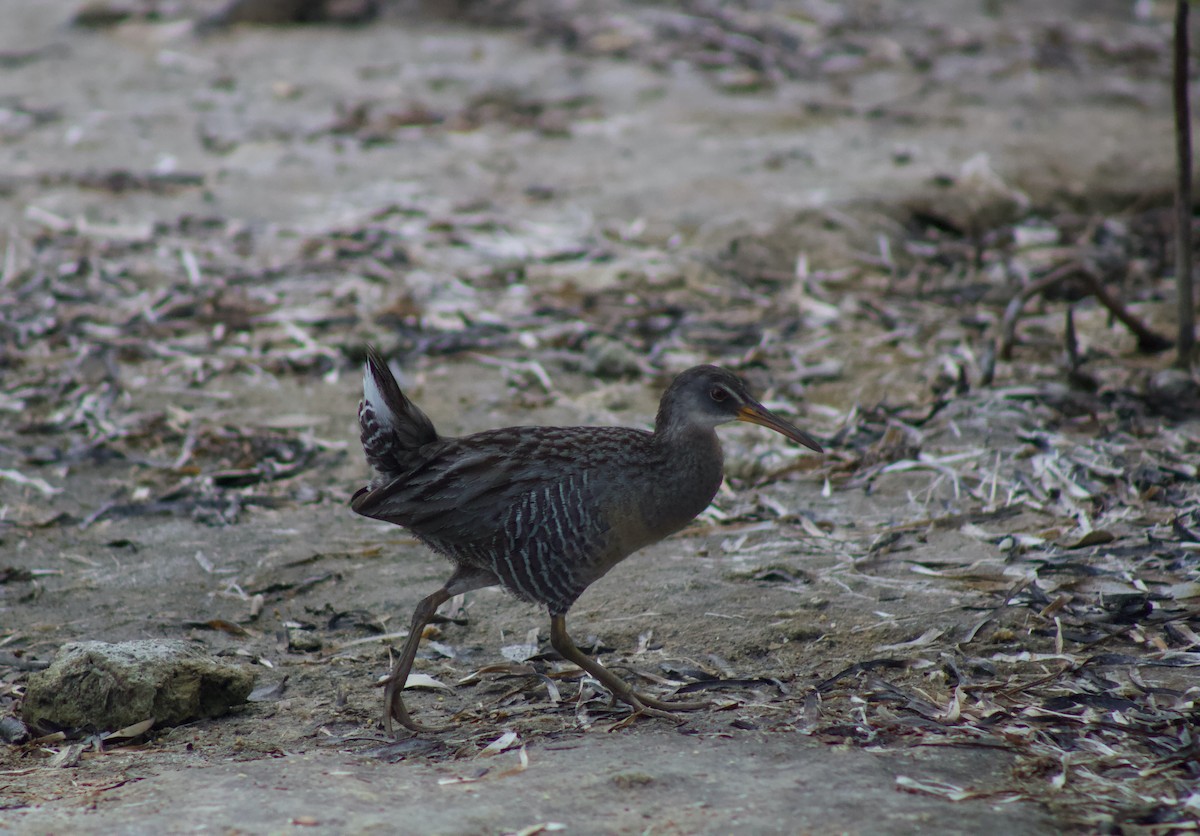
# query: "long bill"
[759,414]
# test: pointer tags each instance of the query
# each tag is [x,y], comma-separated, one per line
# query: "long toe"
[640,711]
[394,708]
[663,705]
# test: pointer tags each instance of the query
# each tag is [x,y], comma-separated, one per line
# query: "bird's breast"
[668,494]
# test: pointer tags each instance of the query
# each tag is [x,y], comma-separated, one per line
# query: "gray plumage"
[545,511]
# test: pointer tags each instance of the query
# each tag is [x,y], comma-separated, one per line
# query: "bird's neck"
[693,466]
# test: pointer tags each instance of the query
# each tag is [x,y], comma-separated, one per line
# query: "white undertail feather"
[392,428]
[374,399]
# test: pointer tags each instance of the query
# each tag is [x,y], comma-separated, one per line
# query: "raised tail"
[392,426]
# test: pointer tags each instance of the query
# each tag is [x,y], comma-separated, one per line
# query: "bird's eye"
[718,394]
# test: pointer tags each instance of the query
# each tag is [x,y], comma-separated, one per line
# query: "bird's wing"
[464,488]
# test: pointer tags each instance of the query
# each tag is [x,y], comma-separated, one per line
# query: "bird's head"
[707,396]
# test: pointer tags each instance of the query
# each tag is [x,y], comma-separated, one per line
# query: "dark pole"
[1183,192]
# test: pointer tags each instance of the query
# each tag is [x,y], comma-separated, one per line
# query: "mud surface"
[542,215]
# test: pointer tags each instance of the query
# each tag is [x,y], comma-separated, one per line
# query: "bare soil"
[975,612]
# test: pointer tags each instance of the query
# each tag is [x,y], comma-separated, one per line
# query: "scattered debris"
[99,686]
[998,550]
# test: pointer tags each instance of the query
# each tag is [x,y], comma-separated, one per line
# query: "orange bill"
[759,414]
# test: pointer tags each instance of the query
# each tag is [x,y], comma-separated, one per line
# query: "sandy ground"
[321,187]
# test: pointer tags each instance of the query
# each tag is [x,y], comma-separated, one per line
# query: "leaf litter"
[1007,420]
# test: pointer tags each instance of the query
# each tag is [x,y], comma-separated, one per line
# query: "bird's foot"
[663,705]
[641,710]
[394,707]
[644,706]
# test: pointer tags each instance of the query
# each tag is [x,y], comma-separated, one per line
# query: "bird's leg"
[393,699]
[561,641]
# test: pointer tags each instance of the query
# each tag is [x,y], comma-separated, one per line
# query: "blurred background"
[937,235]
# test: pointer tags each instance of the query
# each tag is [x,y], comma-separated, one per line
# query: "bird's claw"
[644,706]
[394,708]
[670,707]
[642,710]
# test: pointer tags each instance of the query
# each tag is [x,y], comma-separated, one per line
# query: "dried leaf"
[424,680]
[1096,537]
[500,744]
[130,732]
